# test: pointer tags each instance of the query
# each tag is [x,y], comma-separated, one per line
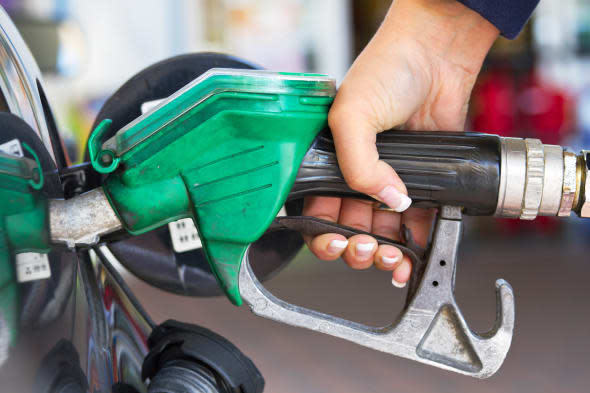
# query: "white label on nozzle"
[184,235]
[31,266]
[12,147]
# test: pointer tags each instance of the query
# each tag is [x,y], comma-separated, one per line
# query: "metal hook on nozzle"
[431,328]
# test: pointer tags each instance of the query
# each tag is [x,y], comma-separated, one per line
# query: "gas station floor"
[550,349]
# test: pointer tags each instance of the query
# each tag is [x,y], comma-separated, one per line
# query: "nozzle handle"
[438,168]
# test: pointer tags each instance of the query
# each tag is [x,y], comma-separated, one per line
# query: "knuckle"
[362,226]
[337,116]
[324,217]
[383,230]
[357,180]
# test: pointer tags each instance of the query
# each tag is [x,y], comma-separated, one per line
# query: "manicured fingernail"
[402,271]
[337,246]
[405,204]
[388,261]
[398,284]
[364,250]
[394,199]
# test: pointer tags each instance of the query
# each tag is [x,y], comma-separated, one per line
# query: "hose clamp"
[569,184]
[512,177]
[533,187]
[552,181]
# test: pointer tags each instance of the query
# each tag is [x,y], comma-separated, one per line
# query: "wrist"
[445,28]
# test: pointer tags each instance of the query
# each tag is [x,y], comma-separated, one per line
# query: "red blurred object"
[544,110]
[493,104]
[527,107]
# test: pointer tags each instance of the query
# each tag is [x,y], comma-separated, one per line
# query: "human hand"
[417,73]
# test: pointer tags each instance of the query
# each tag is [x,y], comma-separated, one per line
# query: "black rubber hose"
[438,168]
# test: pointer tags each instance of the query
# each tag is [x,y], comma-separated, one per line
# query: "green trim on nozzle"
[38,183]
[224,151]
[23,225]
[103,161]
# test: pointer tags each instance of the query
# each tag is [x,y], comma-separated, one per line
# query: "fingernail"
[394,199]
[364,250]
[337,246]
[403,270]
[388,261]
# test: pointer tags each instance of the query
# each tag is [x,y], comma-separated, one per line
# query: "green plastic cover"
[23,228]
[223,150]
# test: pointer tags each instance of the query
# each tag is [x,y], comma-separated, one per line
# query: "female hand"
[417,73]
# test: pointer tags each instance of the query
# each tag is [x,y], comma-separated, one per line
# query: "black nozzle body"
[438,168]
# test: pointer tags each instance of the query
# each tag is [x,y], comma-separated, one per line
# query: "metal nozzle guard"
[431,328]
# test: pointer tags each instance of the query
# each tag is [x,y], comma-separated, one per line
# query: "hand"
[417,73]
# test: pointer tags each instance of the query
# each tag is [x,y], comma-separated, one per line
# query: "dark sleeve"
[509,16]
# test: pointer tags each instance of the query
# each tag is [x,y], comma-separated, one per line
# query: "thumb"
[355,138]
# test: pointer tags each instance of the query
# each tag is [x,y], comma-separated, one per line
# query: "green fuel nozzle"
[23,225]
[224,150]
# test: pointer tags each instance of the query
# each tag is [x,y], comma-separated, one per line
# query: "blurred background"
[535,86]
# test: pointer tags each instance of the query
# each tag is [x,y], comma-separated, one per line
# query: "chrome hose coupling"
[541,180]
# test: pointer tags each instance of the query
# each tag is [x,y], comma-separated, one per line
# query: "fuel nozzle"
[541,180]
